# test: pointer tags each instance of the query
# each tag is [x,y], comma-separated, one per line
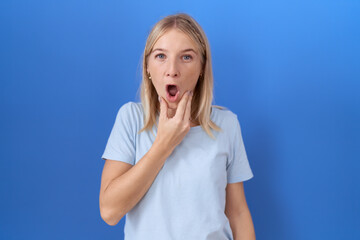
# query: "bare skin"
[175,59]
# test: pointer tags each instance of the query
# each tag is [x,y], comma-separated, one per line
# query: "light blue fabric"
[187,198]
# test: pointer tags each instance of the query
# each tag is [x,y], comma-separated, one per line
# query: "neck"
[171,113]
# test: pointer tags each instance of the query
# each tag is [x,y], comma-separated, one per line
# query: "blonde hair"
[203,93]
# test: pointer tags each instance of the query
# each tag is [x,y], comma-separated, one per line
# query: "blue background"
[290,70]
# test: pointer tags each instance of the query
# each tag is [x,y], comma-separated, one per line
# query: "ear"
[148,75]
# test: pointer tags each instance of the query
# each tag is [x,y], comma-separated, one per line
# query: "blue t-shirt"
[187,198]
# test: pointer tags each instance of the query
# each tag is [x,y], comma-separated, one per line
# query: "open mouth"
[172,90]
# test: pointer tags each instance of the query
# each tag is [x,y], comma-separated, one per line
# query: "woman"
[174,163]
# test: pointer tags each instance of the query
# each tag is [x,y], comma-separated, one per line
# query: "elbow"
[110,217]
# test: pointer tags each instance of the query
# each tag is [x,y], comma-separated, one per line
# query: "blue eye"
[187,57]
[161,56]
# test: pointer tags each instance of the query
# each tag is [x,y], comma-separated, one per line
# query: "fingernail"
[159,99]
[191,93]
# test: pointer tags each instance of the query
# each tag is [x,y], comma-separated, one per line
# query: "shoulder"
[223,116]
[130,115]
[131,110]
[131,106]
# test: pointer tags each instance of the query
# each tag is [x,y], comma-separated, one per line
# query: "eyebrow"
[164,50]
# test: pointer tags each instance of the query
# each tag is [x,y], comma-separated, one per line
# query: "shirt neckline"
[192,129]
[199,127]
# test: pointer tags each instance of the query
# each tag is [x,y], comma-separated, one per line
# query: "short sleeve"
[121,143]
[238,168]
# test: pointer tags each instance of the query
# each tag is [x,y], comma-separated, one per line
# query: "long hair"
[203,92]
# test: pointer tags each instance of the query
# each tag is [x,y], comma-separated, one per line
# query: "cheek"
[155,71]
[193,75]
[156,83]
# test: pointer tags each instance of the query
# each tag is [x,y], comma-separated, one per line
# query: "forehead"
[175,40]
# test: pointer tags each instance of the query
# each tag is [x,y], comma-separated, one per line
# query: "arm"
[238,213]
[119,195]
[123,185]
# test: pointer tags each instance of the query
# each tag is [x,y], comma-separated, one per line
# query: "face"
[174,65]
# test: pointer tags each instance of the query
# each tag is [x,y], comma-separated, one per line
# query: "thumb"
[163,107]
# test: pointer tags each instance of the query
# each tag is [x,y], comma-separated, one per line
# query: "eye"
[160,56]
[187,57]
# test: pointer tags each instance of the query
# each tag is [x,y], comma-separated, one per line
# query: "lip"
[169,97]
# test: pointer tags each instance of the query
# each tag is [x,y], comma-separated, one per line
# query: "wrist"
[162,147]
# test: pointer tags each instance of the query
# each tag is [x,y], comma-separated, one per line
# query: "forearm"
[242,226]
[125,191]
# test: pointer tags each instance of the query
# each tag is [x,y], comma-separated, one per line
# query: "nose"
[172,69]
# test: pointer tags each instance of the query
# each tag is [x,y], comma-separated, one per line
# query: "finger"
[188,108]
[163,108]
[182,104]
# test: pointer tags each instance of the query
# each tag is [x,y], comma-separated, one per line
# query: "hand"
[171,131]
